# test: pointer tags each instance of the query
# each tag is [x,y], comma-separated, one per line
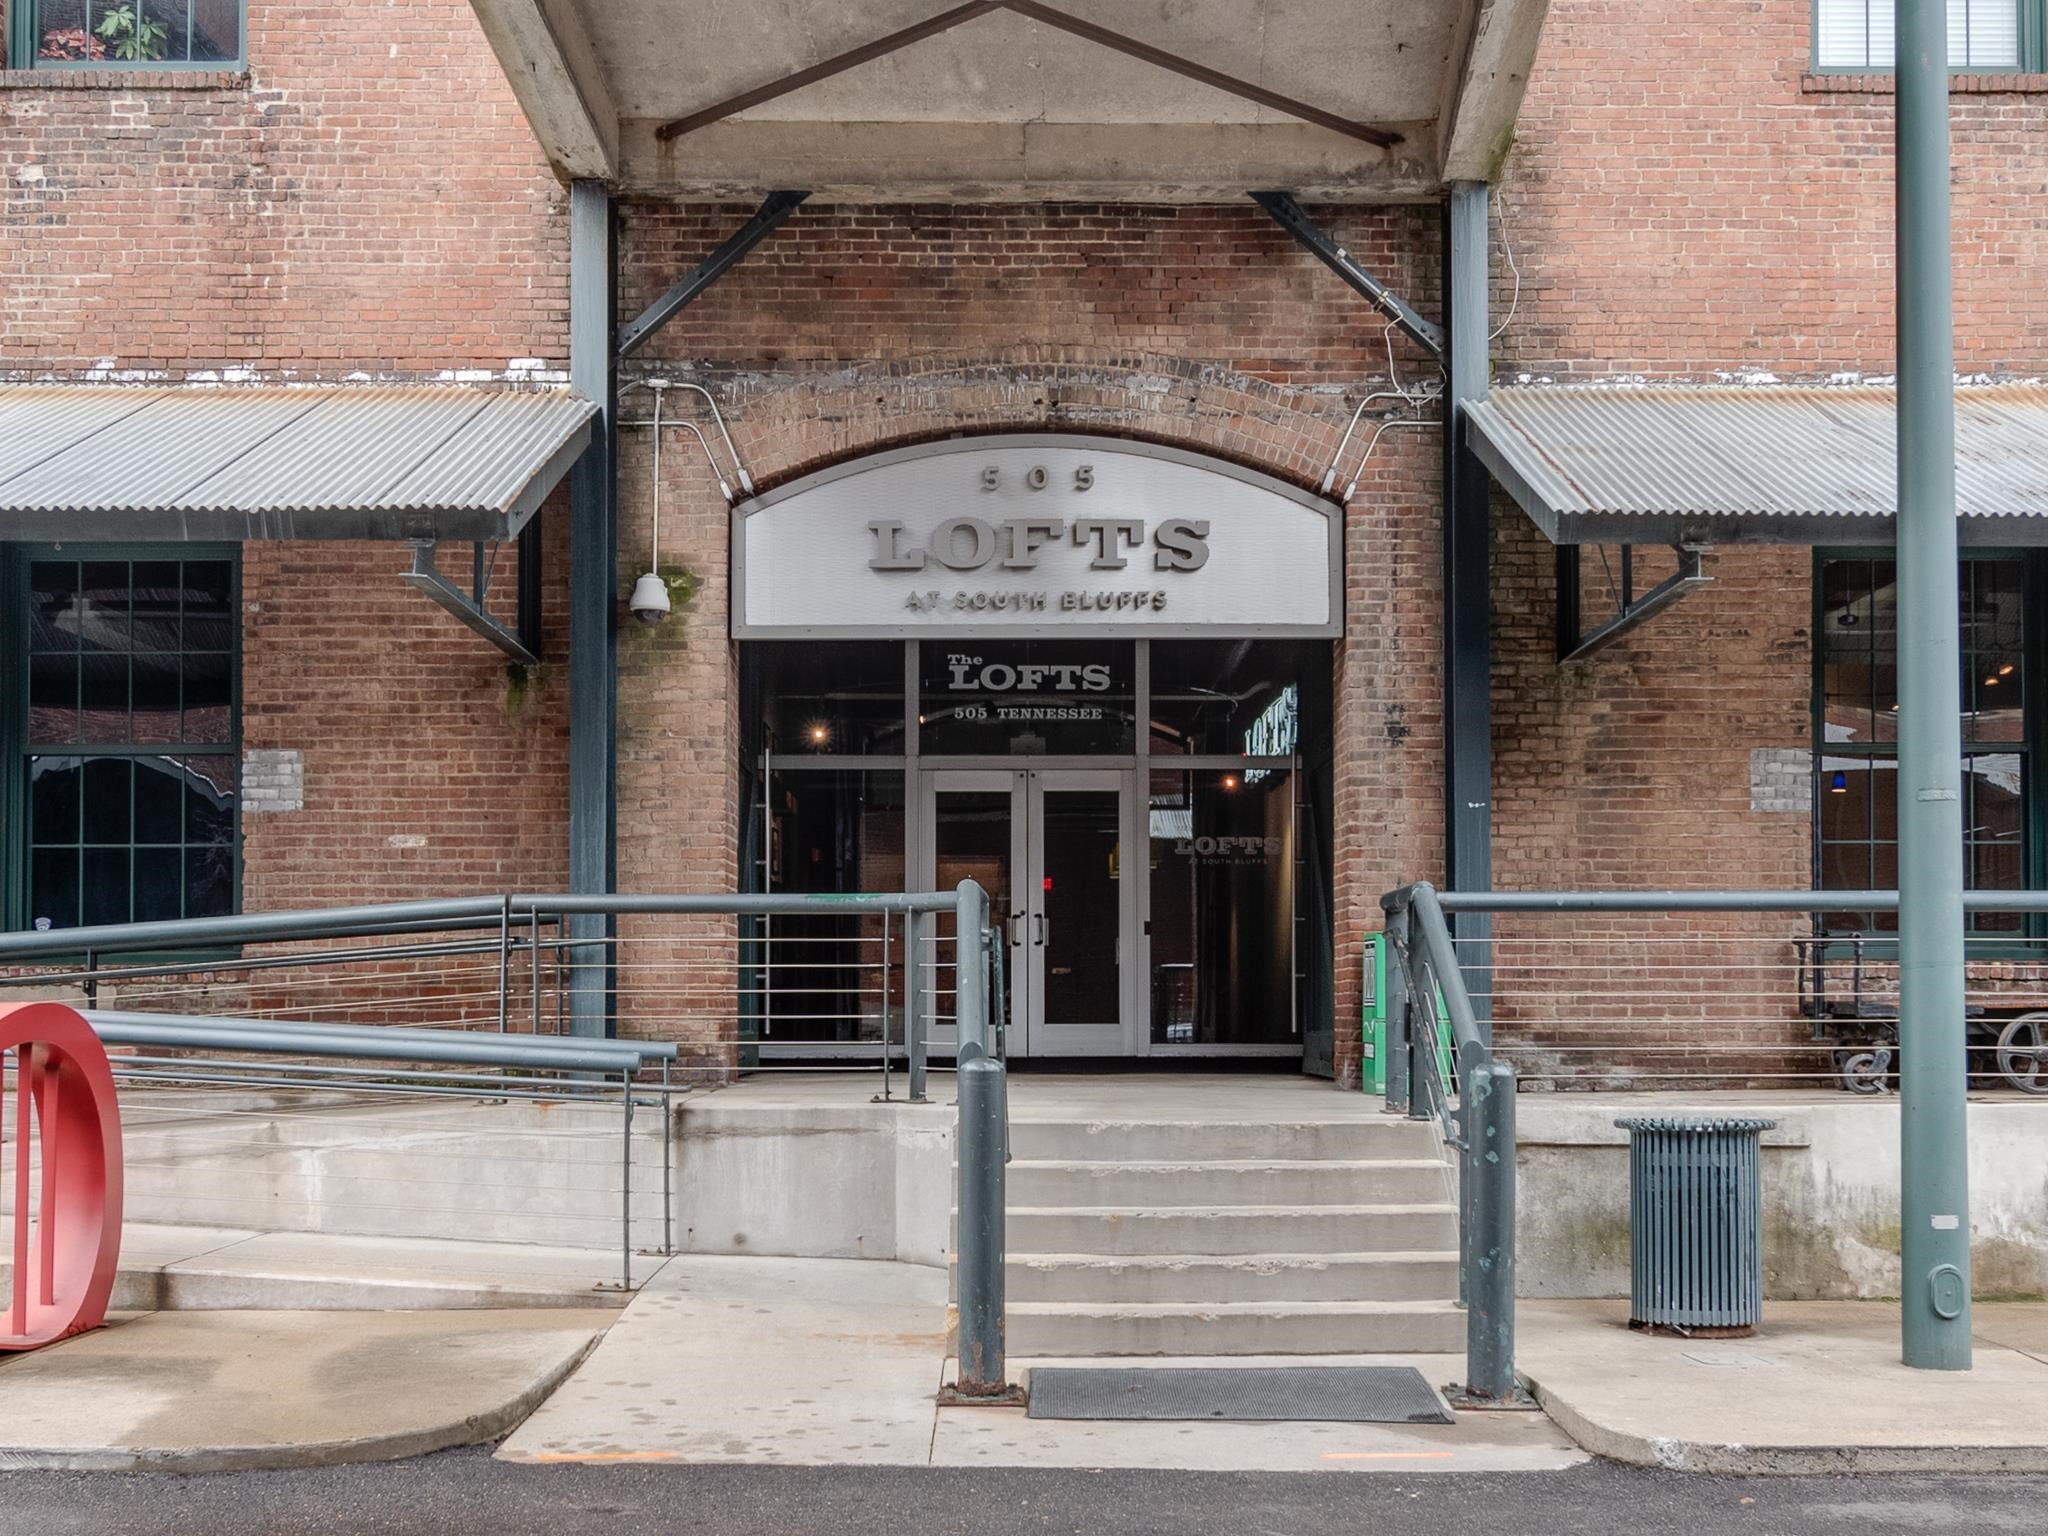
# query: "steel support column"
[593,603]
[1934,1212]
[1468,710]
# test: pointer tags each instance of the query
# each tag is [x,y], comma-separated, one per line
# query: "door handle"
[1041,928]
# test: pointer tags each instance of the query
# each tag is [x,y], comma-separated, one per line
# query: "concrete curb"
[474,1429]
[1676,1455]
[193,1289]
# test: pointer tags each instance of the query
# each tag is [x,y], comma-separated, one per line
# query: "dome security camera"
[649,601]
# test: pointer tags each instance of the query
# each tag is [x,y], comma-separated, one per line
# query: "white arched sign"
[1035,536]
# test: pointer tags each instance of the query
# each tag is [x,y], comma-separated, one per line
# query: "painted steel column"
[593,604]
[1468,671]
[1934,1185]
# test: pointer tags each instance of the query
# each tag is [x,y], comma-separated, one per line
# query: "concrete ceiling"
[1366,100]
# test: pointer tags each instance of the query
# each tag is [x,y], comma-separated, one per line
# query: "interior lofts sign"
[1035,536]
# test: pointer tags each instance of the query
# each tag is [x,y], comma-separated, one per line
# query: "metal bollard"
[983,1113]
[1489,1167]
[984,1145]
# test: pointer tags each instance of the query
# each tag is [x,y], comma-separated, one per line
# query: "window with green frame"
[122,730]
[1856,703]
[1990,37]
[124,34]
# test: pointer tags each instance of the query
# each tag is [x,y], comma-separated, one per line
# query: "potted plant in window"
[131,35]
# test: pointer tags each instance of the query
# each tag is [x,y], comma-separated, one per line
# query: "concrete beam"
[1022,162]
[1483,95]
[555,72]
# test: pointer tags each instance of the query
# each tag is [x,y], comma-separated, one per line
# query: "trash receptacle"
[1696,1260]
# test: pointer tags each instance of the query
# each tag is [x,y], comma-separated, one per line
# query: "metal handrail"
[1720,901]
[378,1042]
[1480,1130]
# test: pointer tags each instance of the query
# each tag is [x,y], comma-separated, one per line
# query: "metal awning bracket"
[1575,646]
[425,576]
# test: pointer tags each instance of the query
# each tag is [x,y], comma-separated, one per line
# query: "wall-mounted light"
[650,601]
[1230,781]
[818,733]
[1838,784]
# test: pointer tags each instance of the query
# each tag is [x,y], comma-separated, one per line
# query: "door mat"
[1353,1394]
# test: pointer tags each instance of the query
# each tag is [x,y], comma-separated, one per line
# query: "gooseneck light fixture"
[650,601]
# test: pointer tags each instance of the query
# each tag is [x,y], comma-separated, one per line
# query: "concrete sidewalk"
[835,1362]
[209,1268]
[224,1391]
[1819,1389]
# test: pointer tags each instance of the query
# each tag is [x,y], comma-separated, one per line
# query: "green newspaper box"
[1372,1067]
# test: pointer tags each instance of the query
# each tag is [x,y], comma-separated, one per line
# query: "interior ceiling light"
[1839,784]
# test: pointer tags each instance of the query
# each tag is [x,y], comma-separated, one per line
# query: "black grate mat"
[1355,1394]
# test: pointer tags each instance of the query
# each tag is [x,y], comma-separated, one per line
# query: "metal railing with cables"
[329,1069]
[1665,990]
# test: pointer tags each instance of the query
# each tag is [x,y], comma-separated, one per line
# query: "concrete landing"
[221,1391]
[824,1362]
[1819,1389]
[234,1268]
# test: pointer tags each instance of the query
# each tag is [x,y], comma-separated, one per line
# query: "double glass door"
[1048,845]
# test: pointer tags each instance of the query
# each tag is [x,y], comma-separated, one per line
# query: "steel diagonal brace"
[1319,243]
[774,209]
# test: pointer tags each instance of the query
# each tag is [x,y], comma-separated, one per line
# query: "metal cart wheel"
[2023,1052]
[1867,1071]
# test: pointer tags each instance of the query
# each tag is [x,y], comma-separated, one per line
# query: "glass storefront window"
[1856,781]
[844,698]
[131,772]
[820,977]
[1222,887]
[1241,697]
[1029,697]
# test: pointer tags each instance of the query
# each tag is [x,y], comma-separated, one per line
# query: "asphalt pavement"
[466,1493]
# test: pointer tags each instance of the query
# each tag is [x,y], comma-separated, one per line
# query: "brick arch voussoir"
[789,424]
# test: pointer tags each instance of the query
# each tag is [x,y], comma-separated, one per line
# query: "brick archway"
[678,683]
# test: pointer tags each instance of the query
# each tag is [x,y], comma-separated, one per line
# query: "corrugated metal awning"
[1771,464]
[332,461]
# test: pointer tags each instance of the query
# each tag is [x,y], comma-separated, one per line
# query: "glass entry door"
[1047,845]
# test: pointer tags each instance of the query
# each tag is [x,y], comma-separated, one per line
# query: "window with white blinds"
[1983,35]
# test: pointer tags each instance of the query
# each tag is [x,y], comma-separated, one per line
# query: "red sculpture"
[64,1087]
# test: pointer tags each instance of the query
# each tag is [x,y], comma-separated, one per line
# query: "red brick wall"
[368,197]
[1688,200]
[432,765]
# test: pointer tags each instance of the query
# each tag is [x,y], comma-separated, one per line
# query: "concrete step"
[1155,1141]
[1244,1229]
[212,1269]
[1201,1277]
[1236,1328]
[1275,1181]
